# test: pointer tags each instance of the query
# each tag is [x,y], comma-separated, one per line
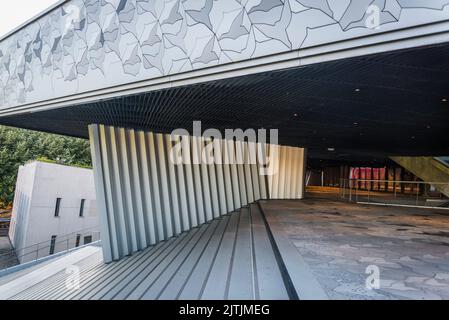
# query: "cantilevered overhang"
[371,106]
[89,48]
[320,72]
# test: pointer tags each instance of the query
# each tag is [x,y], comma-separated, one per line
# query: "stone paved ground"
[340,240]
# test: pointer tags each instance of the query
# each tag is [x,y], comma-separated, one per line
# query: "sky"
[15,12]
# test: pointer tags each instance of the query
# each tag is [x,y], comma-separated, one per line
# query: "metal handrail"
[401,193]
[442,160]
[45,242]
[395,181]
[36,251]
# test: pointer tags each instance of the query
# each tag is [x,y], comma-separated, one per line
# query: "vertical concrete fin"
[146,194]
[100,190]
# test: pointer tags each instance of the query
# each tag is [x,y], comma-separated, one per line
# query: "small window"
[87,239]
[52,244]
[81,214]
[58,204]
[78,238]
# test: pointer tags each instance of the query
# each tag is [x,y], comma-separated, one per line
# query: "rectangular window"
[58,204]
[87,239]
[82,207]
[52,244]
[78,238]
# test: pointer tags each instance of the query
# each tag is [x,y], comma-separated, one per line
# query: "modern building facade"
[126,73]
[54,210]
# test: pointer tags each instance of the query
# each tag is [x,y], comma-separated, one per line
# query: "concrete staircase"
[429,169]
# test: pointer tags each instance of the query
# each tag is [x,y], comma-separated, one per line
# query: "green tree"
[17,146]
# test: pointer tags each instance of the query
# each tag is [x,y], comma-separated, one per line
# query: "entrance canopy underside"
[375,106]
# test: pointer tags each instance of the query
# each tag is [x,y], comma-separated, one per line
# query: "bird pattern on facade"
[90,44]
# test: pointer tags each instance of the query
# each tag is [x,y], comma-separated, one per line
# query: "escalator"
[428,169]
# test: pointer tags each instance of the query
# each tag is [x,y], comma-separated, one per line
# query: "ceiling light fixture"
[444,100]
[331,149]
[357,90]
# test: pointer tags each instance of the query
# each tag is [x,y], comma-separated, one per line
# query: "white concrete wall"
[33,221]
[144,198]
[21,205]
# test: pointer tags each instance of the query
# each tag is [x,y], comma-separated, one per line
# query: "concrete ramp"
[47,272]
[428,169]
[231,257]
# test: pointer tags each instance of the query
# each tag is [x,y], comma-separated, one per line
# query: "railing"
[395,193]
[43,249]
[4,226]
[443,160]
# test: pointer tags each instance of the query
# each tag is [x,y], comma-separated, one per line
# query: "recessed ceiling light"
[330,149]
[357,90]
[355,123]
[295,114]
[444,100]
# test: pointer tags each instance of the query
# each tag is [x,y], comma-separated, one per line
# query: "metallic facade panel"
[127,195]
[287,182]
[117,194]
[174,192]
[163,174]
[196,156]
[146,188]
[186,219]
[187,165]
[105,227]
[159,228]
[137,195]
[83,42]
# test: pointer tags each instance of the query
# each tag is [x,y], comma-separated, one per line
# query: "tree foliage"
[17,146]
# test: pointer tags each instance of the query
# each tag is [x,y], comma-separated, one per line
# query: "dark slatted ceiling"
[366,107]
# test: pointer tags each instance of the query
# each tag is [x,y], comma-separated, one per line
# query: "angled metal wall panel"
[196,156]
[174,192]
[287,180]
[187,222]
[146,196]
[227,177]
[155,187]
[145,181]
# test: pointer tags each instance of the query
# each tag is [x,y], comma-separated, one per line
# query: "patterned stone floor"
[339,241]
